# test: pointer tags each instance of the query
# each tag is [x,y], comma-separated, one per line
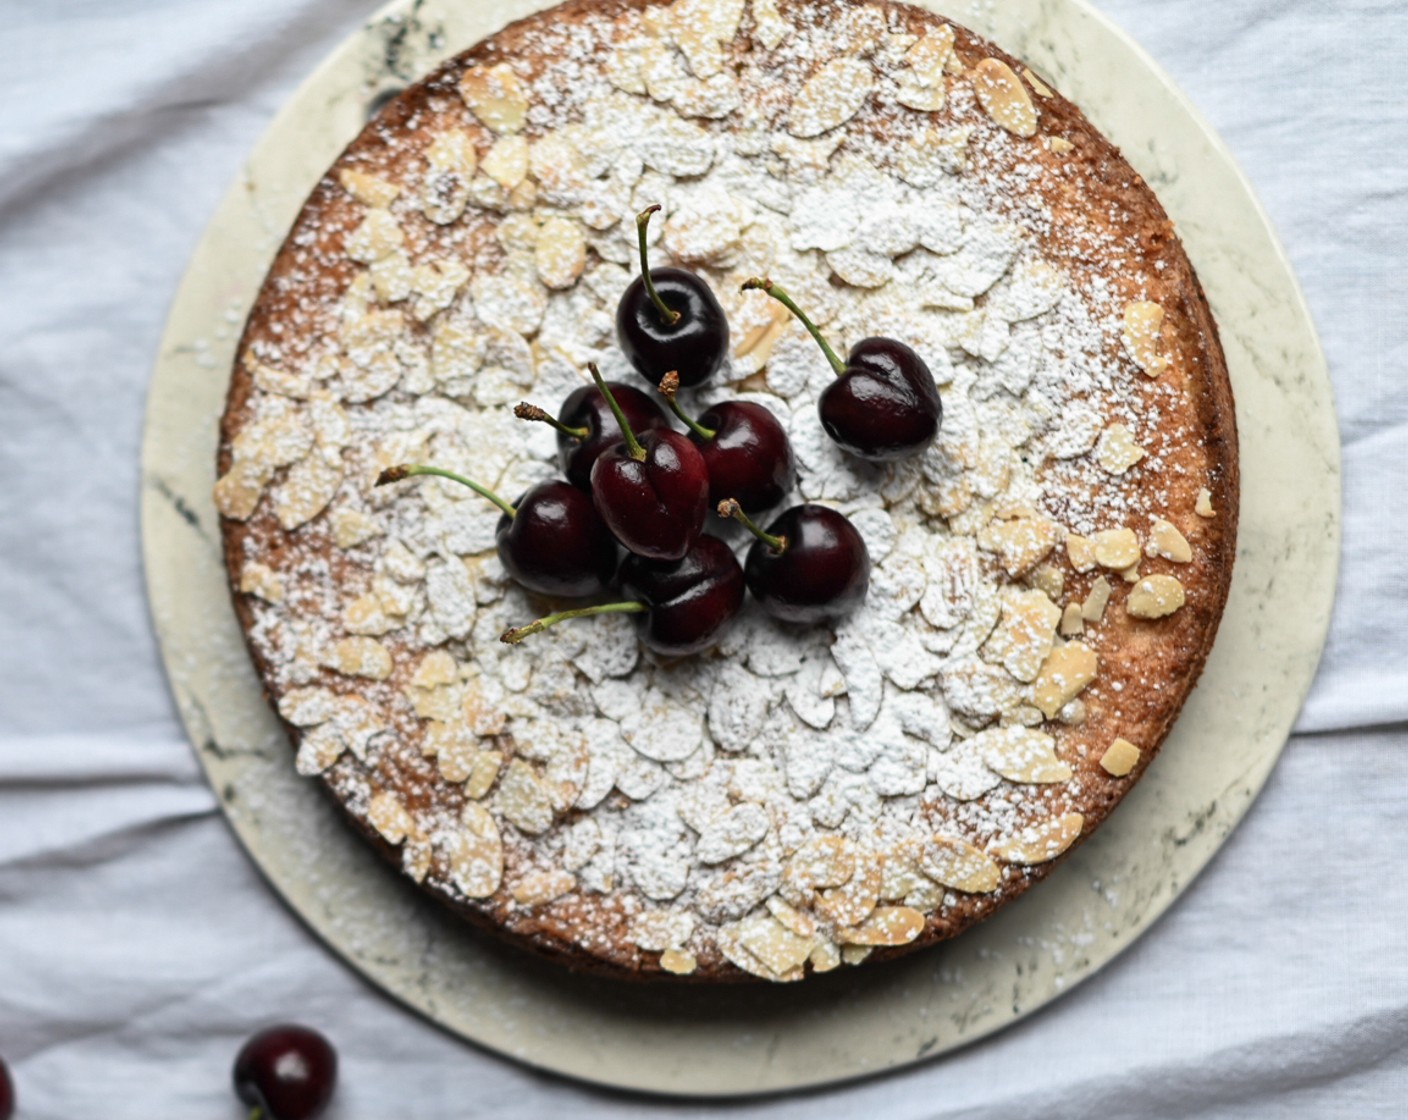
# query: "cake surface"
[1048,577]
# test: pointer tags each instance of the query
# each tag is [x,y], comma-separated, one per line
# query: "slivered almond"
[1040,843]
[1064,676]
[1143,322]
[1004,98]
[955,863]
[495,95]
[1155,597]
[1120,758]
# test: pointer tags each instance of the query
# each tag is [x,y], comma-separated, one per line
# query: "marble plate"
[858,1022]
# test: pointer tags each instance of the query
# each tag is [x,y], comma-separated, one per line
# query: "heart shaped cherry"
[7,1093]
[745,449]
[552,540]
[586,426]
[810,566]
[286,1072]
[652,492]
[681,608]
[884,404]
[670,319]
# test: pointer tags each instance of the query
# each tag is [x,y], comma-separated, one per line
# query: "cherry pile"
[633,482]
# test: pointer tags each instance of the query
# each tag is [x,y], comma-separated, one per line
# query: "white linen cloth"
[138,946]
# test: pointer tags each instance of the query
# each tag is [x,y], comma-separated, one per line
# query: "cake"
[1047,578]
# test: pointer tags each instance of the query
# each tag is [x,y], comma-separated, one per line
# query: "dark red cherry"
[680,608]
[745,449]
[7,1093]
[557,544]
[670,319]
[884,404]
[586,427]
[286,1072]
[552,540]
[652,492]
[810,566]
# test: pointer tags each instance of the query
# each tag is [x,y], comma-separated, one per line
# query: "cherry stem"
[396,474]
[669,386]
[762,284]
[667,313]
[516,634]
[633,447]
[777,544]
[526,411]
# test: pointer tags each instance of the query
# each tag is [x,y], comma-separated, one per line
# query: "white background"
[137,945]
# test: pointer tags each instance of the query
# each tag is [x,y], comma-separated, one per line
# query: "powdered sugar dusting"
[795,790]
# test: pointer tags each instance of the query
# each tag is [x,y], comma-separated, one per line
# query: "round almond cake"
[1047,578]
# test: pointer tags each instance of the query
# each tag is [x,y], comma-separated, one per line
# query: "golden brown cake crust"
[1147,667]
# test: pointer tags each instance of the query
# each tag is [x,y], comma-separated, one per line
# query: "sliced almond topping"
[523,799]
[507,161]
[1067,672]
[1093,609]
[732,833]
[830,97]
[1203,507]
[923,86]
[279,441]
[318,749]
[1117,450]
[1004,98]
[678,961]
[436,668]
[1120,758]
[271,379]
[262,581]
[856,954]
[388,816]
[957,864]
[1081,551]
[482,772]
[560,253]
[1020,543]
[825,956]
[540,887]
[307,489]
[888,925]
[1021,754]
[1050,579]
[1165,540]
[393,279]
[658,930]
[366,615]
[1130,574]
[1040,88]
[851,904]
[476,853]
[368,189]
[778,948]
[1072,620]
[377,236]
[1060,145]
[770,28]
[1042,842]
[1142,323]
[495,95]
[308,707]
[361,657]
[1116,549]
[1154,597]
[798,921]
[1025,634]
[825,861]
